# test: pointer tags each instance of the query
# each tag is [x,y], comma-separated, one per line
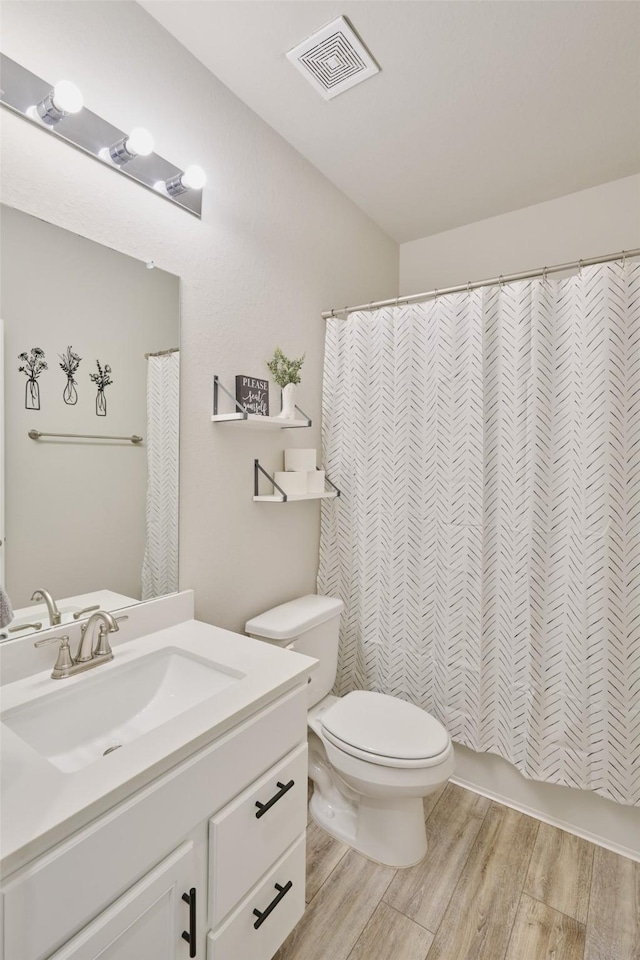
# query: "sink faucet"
[89,656]
[103,648]
[55,617]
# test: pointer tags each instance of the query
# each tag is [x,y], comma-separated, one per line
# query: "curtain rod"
[476,284]
[162,353]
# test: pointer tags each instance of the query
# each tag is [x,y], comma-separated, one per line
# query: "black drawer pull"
[282,891]
[190,937]
[263,807]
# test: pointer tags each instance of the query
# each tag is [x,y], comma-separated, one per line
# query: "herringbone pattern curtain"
[487,541]
[160,566]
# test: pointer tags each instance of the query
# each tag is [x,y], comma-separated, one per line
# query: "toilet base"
[390,832]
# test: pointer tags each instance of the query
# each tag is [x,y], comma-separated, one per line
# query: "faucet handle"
[80,613]
[103,647]
[46,640]
[64,661]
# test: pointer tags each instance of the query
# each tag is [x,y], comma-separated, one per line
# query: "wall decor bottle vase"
[32,395]
[70,394]
[102,380]
[32,364]
[101,403]
[69,363]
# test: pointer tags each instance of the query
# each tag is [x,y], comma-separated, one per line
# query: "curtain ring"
[500,281]
[580,265]
[544,274]
[468,286]
[436,294]
[332,312]
[624,259]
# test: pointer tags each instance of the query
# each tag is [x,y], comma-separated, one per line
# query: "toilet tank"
[309,625]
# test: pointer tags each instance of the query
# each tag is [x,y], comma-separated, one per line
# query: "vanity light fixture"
[65,98]
[194,178]
[130,154]
[139,143]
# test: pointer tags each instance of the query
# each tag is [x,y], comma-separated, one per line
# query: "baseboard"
[575,811]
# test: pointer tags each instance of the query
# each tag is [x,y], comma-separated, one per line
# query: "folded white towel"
[6,610]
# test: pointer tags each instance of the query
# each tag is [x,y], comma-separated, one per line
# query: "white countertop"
[40,805]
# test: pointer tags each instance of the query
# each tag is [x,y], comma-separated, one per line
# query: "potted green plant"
[286,374]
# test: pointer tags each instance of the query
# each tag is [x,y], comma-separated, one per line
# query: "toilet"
[372,757]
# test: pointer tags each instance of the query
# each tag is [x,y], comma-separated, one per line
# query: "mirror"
[89,498]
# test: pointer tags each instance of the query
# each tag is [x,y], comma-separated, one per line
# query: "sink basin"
[75,727]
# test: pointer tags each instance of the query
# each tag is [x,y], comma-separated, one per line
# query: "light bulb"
[194,177]
[140,142]
[67,98]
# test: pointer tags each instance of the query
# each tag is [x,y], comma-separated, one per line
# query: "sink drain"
[115,746]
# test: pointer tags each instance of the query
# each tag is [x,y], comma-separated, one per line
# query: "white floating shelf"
[279,496]
[276,498]
[253,420]
[256,422]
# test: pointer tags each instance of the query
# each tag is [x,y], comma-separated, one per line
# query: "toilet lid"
[385,726]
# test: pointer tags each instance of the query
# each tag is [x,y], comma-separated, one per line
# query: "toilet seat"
[385,730]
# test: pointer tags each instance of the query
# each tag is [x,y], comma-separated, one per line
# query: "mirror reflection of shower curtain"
[160,566]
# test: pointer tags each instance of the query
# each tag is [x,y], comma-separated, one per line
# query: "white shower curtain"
[160,566]
[487,541]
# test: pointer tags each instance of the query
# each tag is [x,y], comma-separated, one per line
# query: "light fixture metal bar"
[88,132]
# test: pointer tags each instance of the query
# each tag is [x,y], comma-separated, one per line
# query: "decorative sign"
[253,394]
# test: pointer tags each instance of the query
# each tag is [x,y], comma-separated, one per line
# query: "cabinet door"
[147,922]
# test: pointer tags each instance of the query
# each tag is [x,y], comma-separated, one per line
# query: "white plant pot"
[288,411]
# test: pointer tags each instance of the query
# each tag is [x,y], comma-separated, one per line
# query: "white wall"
[601,220]
[108,307]
[277,244]
[590,223]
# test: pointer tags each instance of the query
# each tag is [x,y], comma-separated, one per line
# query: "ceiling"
[481,107]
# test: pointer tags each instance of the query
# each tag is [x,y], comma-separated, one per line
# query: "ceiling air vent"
[333,59]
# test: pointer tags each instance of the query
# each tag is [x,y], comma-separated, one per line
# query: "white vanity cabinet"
[227,825]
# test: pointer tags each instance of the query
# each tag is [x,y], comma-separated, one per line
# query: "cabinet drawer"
[245,838]
[281,907]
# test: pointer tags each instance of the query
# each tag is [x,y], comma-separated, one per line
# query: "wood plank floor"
[495,885]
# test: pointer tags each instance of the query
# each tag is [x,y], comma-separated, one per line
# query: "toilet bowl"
[372,757]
